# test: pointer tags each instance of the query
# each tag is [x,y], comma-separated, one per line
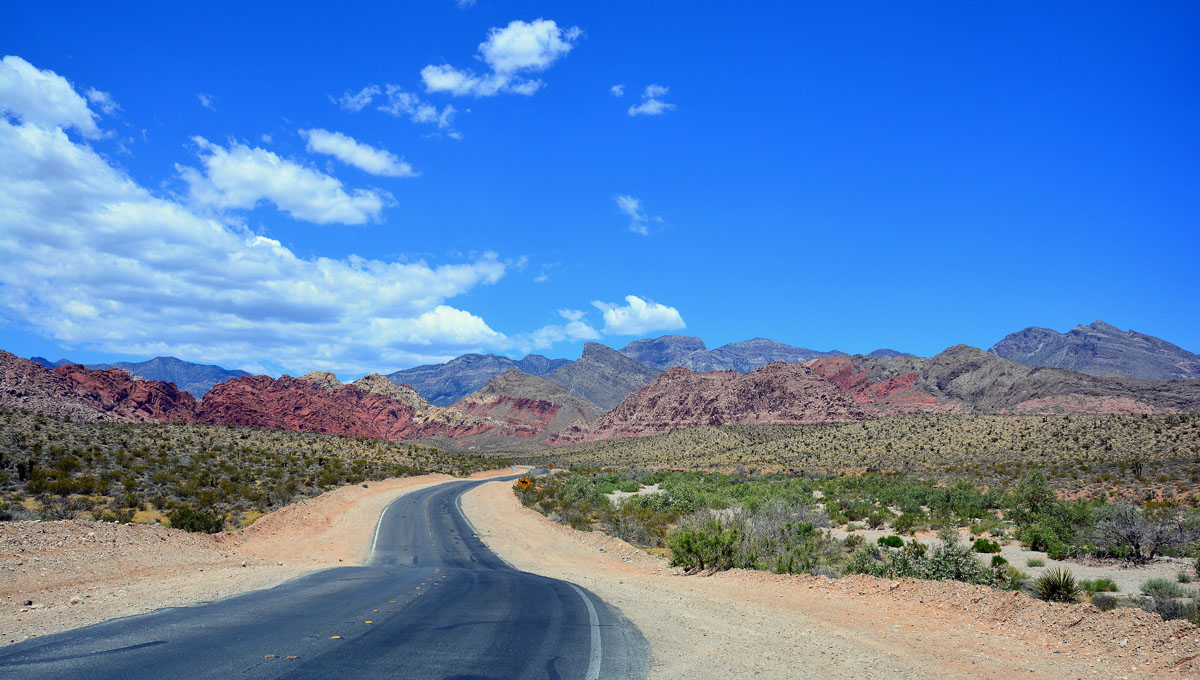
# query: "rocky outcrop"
[776,394]
[1100,349]
[894,395]
[527,406]
[130,399]
[444,384]
[81,394]
[323,379]
[602,375]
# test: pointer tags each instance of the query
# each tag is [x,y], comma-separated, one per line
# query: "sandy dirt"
[748,624]
[56,576]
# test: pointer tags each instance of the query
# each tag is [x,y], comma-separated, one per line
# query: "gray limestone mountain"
[669,351]
[602,375]
[973,380]
[886,353]
[1102,350]
[197,379]
[444,384]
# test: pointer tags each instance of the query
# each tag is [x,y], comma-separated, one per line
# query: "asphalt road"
[432,602]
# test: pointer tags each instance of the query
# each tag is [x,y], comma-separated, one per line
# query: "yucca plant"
[1057,585]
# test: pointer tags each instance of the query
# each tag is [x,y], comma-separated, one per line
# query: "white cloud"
[206,100]
[639,221]
[43,98]
[397,102]
[638,317]
[571,314]
[520,47]
[652,103]
[267,139]
[240,177]
[617,90]
[93,260]
[463,4]
[352,152]
[103,100]
[357,101]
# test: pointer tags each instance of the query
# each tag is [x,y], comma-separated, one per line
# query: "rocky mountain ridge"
[1102,350]
[601,375]
[444,384]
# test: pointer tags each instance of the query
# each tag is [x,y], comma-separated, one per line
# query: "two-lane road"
[432,602]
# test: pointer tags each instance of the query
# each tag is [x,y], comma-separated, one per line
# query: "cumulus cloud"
[638,317]
[631,207]
[43,98]
[617,90]
[240,176]
[93,259]
[521,47]
[652,103]
[352,152]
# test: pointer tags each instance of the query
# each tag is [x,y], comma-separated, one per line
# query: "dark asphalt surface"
[432,602]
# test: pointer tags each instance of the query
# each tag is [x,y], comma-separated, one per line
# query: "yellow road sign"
[524,482]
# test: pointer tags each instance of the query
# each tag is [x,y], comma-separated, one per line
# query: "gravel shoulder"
[76,573]
[754,624]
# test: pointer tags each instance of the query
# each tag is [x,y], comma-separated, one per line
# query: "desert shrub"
[1170,608]
[949,560]
[1100,585]
[853,541]
[1162,588]
[1014,579]
[636,524]
[195,521]
[1057,585]
[983,545]
[706,545]
[1035,562]
[1183,577]
[1105,602]
[909,522]
[891,541]
[1141,534]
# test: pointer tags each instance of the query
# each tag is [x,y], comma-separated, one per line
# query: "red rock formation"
[777,394]
[304,405]
[895,395]
[520,417]
[130,399]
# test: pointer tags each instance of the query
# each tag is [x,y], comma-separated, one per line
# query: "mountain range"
[610,393]
[1102,350]
[444,384]
[196,379]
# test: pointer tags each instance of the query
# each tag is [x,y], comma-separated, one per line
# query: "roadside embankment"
[758,624]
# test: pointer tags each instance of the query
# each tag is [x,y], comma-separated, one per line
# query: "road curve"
[432,602]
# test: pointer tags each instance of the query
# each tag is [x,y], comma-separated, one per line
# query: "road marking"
[336,637]
[268,656]
[593,669]
[378,525]
[368,622]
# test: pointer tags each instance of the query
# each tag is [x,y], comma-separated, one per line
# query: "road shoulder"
[756,624]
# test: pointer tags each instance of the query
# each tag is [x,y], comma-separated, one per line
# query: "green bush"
[708,546]
[1162,588]
[908,522]
[1104,602]
[1035,562]
[983,545]
[1100,585]
[891,541]
[1183,577]
[195,521]
[1057,585]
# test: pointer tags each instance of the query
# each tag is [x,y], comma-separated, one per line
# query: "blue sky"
[283,188]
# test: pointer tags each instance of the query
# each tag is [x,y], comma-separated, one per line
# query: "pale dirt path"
[742,624]
[113,570]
